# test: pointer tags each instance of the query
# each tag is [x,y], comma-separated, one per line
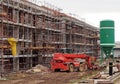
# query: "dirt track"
[47,78]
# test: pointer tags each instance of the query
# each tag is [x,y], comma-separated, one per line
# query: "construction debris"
[118,66]
[104,82]
[38,68]
[97,76]
[89,81]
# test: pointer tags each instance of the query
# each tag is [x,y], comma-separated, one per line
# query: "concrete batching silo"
[107,40]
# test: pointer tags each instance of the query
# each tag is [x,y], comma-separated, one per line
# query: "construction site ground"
[48,77]
[43,75]
[51,78]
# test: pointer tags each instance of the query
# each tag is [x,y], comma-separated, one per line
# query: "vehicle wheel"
[81,67]
[71,67]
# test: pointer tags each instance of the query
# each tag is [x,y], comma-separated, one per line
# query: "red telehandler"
[70,62]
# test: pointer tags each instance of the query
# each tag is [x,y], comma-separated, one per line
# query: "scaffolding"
[40,31]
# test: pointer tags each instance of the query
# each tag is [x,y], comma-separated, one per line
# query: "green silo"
[107,40]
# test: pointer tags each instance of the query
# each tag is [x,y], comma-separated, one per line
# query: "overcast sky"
[91,11]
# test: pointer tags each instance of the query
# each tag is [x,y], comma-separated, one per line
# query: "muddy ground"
[46,78]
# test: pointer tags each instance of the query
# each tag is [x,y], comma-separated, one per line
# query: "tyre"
[71,68]
[81,68]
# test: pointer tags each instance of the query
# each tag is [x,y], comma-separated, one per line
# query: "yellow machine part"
[12,42]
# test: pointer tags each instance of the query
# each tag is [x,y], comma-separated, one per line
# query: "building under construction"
[39,31]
